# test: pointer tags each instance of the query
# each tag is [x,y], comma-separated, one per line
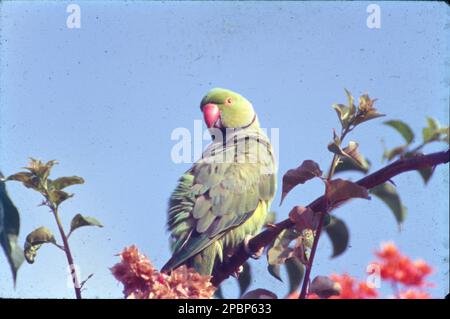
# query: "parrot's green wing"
[216,194]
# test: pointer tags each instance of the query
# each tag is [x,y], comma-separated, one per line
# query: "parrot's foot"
[237,272]
[254,255]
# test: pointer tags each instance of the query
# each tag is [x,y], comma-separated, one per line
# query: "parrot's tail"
[169,266]
[203,262]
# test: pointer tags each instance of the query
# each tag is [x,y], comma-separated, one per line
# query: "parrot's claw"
[254,255]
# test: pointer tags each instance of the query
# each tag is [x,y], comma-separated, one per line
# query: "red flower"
[414,294]
[351,289]
[400,269]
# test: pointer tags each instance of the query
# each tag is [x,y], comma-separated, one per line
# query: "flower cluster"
[400,269]
[142,280]
[393,267]
[413,294]
[351,289]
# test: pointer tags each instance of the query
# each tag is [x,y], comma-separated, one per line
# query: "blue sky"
[104,99]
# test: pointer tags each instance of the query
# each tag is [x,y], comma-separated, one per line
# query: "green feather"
[201,207]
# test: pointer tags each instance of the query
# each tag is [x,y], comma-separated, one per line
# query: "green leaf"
[366,111]
[35,240]
[244,278]
[280,250]
[351,103]
[63,182]
[428,134]
[324,287]
[28,179]
[345,164]
[445,131]
[370,115]
[342,112]
[81,221]
[40,169]
[306,171]
[426,174]
[9,230]
[295,271]
[335,148]
[326,219]
[402,128]
[433,123]
[274,270]
[350,154]
[431,132]
[259,294]
[388,194]
[339,235]
[57,196]
[396,151]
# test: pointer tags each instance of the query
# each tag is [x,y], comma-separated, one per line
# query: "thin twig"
[76,285]
[84,281]
[59,246]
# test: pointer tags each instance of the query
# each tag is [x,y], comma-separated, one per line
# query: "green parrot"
[223,199]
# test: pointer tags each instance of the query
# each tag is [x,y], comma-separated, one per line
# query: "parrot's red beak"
[211,114]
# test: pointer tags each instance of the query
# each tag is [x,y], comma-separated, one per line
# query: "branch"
[377,178]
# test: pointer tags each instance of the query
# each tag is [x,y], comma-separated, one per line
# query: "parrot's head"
[227,109]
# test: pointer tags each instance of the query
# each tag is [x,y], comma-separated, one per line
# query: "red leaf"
[339,190]
[303,218]
[308,170]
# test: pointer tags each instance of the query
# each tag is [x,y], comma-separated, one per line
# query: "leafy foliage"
[351,116]
[35,240]
[345,164]
[339,235]
[244,279]
[280,253]
[63,182]
[433,132]
[9,230]
[324,287]
[37,178]
[295,271]
[339,190]
[82,221]
[259,294]
[280,250]
[306,171]
[345,158]
[388,194]
[403,129]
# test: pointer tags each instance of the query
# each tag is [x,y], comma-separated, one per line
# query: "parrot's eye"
[228,101]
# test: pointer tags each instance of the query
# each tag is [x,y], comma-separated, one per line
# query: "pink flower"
[142,281]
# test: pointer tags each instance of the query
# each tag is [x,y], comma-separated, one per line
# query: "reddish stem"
[311,258]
